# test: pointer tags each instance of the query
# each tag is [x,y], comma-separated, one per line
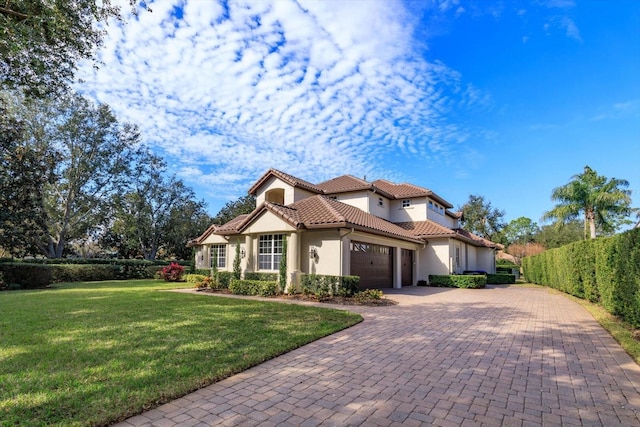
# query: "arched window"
[275,196]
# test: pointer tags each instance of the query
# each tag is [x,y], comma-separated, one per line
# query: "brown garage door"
[407,267]
[373,263]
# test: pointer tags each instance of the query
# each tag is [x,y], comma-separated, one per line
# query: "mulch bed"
[382,302]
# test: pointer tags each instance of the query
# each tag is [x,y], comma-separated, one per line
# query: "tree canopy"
[243,205]
[158,215]
[41,41]
[520,231]
[604,203]
[24,171]
[481,218]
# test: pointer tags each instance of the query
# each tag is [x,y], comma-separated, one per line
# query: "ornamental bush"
[457,281]
[368,295]
[501,279]
[253,287]
[253,275]
[172,272]
[325,285]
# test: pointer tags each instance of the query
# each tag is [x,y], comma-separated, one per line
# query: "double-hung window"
[219,254]
[270,251]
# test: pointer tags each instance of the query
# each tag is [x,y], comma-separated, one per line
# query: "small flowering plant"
[172,272]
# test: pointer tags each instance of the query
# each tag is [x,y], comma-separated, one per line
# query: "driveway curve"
[501,356]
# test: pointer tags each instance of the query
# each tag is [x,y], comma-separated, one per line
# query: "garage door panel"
[373,263]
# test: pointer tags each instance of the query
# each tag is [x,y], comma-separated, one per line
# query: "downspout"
[341,244]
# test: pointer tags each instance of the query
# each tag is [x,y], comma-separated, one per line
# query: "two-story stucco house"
[391,235]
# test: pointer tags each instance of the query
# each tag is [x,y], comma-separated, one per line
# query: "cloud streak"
[316,89]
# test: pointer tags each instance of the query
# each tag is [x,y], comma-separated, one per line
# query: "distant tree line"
[590,205]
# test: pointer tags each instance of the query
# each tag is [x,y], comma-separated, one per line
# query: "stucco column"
[293,261]
[397,267]
[248,243]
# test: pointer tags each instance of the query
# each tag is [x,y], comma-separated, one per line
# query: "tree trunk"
[591,219]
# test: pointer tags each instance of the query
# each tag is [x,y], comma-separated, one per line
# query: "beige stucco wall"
[267,222]
[357,199]
[486,260]
[327,244]
[374,205]
[416,212]
[271,184]
[472,260]
[433,259]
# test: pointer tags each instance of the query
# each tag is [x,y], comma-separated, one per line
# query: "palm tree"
[603,202]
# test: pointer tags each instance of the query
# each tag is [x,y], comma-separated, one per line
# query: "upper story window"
[218,253]
[406,203]
[270,251]
[436,207]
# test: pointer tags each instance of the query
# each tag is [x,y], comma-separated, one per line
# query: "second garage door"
[373,263]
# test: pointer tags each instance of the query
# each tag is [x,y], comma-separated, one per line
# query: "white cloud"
[316,89]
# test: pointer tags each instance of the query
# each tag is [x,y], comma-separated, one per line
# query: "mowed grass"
[95,353]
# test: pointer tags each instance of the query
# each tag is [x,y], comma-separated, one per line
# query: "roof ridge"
[276,209]
[328,203]
[364,181]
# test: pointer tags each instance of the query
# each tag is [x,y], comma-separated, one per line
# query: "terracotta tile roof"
[481,241]
[344,184]
[427,229]
[203,236]
[233,226]
[289,179]
[399,191]
[406,190]
[319,212]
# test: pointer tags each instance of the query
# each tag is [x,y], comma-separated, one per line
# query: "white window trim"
[274,257]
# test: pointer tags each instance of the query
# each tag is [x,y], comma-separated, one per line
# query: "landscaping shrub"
[253,287]
[501,279]
[252,275]
[194,278]
[324,285]
[605,270]
[458,281]
[172,272]
[224,278]
[85,272]
[28,276]
[368,295]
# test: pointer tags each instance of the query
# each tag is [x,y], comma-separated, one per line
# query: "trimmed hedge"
[324,285]
[253,287]
[224,279]
[115,261]
[253,275]
[501,279]
[85,273]
[457,281]
[604,271]
[27,276]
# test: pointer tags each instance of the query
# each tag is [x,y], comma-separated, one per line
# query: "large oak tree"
[41,41]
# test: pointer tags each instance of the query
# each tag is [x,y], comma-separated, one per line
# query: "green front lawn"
[94,353]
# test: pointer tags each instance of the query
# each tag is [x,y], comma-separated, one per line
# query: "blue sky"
[503,99]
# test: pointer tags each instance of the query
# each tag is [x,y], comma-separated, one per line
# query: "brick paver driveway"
[499,356]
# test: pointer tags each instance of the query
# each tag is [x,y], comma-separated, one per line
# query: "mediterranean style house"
[391,235]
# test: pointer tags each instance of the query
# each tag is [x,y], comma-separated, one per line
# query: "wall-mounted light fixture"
[312,252]
[243,253]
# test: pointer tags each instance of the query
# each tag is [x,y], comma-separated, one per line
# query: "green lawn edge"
[71,362]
